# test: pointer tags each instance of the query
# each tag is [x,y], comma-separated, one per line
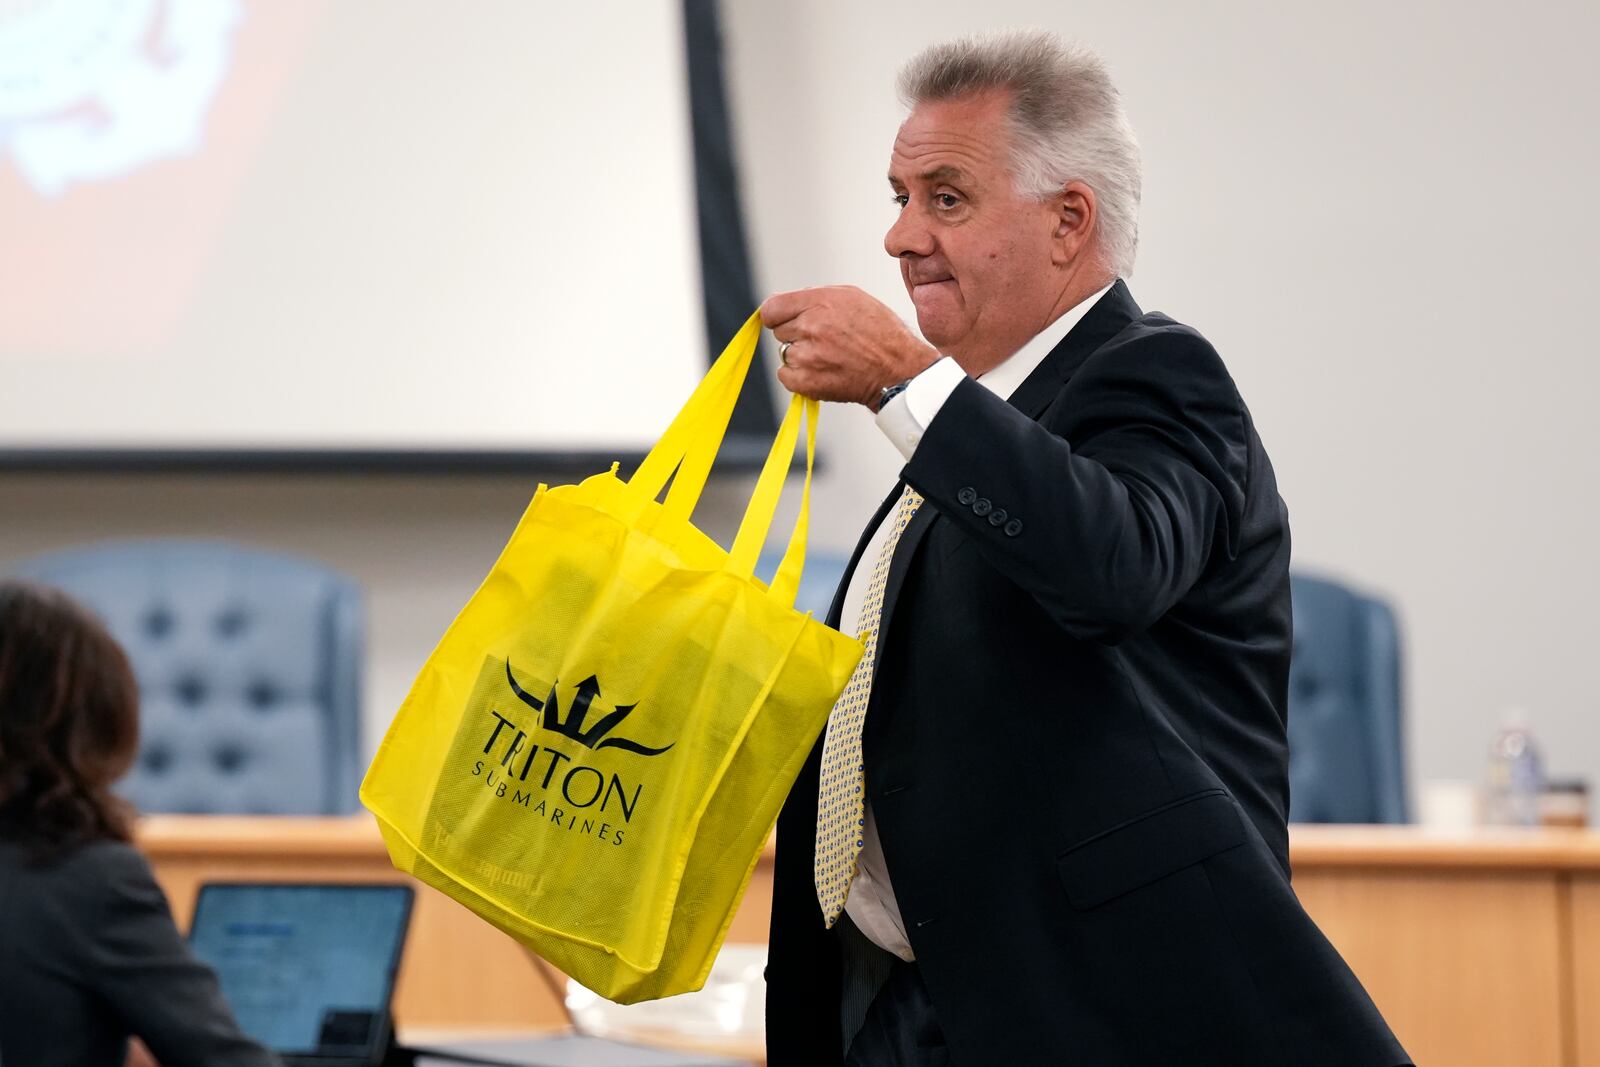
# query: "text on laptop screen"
[306,969]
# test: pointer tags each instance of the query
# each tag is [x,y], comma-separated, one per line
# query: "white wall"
[1380,213]
[1383,215]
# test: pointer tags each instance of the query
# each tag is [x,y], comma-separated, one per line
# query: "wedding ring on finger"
[783,352]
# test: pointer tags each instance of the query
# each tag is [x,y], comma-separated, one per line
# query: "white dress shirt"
[870,903]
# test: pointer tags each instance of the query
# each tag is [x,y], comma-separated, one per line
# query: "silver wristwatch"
[889,392]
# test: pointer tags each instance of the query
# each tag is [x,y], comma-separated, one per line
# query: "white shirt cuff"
[907,417]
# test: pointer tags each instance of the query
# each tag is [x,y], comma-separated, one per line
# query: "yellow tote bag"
[596,751]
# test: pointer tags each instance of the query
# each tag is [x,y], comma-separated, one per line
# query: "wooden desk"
[1480,948]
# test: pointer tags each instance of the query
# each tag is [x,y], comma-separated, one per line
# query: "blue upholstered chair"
[249,668]
[1345,755]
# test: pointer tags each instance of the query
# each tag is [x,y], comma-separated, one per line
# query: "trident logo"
[572,725]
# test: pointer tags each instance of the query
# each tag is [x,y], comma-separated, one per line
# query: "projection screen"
[269,226]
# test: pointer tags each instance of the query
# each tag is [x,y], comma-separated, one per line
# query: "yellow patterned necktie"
[841,812]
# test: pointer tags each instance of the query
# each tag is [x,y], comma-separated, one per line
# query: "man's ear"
[1075,213]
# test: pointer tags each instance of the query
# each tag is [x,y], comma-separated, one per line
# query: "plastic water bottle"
[1516,774]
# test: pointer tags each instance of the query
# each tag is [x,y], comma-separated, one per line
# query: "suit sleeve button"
[967,495]
[1013,527]
[997,517]
[983,506]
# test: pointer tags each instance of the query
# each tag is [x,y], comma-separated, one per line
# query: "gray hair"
[1066,117]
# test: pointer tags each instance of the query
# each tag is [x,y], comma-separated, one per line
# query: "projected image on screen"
[305,968]
[115,189]
[96,89]
[363,226]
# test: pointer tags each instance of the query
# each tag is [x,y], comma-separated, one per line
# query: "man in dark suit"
[1047,820]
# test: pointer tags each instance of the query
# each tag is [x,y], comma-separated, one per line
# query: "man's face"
[973,254]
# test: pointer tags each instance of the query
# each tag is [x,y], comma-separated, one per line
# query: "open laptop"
[309,970]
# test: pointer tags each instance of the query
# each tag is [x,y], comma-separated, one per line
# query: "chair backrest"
[249,667]
[1345,757]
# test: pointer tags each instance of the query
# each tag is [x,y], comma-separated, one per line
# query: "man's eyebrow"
[945,173]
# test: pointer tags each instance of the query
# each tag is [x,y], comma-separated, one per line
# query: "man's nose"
[909,236]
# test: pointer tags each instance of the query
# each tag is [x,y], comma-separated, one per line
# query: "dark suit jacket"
[89,955]
[1075,750]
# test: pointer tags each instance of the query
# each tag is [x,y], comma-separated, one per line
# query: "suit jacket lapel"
[1110,315]
[904,552]
[836,608]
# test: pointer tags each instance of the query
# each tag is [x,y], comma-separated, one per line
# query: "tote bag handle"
[757,522]
[690,445]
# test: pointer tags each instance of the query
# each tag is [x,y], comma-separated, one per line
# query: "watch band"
[889,392]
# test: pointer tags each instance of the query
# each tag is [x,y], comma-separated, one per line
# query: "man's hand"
[844,345]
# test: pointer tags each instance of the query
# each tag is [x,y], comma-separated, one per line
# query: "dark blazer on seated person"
[89,955]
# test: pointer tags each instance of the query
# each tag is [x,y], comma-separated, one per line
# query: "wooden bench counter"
[1480,947]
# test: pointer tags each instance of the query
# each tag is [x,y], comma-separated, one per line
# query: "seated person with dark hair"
[89,954]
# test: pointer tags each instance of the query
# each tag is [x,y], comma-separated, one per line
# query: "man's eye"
[900,199]
[946,200]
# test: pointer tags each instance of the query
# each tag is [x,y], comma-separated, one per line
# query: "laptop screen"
[307,969]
